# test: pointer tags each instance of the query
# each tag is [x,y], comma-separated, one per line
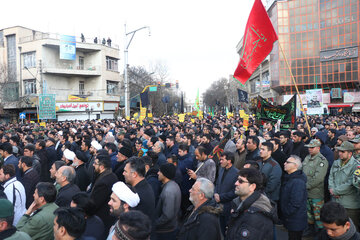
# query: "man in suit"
[6,151]
[225,186]
[65,177]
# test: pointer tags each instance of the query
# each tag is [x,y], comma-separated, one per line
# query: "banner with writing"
[268,112]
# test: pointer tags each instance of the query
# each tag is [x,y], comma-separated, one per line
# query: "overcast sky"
[195,39]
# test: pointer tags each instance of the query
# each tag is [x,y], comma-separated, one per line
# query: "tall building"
[31,63]
[320,39]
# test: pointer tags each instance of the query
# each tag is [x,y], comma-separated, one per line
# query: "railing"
[56,36]
[68,66]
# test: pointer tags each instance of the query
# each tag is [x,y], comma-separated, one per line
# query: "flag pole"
[297,90]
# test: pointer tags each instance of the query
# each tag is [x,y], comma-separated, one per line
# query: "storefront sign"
[79,106]
[338,54]
[351,97]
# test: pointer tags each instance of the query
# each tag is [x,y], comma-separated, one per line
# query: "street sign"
[22,115]
[47,106]
[152,89]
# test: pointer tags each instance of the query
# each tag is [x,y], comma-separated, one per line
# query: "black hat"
[149,132]
[168,170]
[52,139]
[81,156]
[162,137]
[126,152]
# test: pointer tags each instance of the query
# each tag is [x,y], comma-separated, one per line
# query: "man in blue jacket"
[272,171]
[225,186]
[293,198]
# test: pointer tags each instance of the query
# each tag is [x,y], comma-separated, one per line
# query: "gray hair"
[161,145]
[297,161]
[206,187]
[69,173]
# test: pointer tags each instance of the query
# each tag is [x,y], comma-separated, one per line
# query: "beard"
[117,212]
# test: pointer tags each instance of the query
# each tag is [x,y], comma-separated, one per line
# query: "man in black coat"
[51,152]
[277,154]
[65,177]
[29,180]
[101,190]
[82,179]
[286,144]
[202,221]
[225,186]
[254,217]
[134,173]
[299,145]
[43,159]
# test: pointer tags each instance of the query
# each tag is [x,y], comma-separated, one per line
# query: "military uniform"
[341,182]
[315,169]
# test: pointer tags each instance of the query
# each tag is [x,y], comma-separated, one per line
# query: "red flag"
[258,42]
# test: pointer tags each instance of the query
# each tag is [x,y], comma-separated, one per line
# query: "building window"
[30,86]
[112,87]
[111,64]
[81,63]
[81,87]
[29,60]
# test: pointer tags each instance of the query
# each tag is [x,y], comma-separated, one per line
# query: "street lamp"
[126,80]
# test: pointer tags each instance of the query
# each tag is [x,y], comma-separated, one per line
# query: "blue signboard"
[22,115]
[67,47]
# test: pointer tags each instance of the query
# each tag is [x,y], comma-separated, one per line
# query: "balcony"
[66,69]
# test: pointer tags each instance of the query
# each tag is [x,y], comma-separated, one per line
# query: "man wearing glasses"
[254,217]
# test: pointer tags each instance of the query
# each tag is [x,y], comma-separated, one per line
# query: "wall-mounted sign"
[338,54]
[67,47]
[335,93]
[47,106]
[79,106]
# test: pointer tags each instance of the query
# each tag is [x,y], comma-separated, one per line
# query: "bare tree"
[216,95]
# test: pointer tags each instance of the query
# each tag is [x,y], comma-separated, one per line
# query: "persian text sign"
[79,106]
[351,97]
[338,54]
[47,106]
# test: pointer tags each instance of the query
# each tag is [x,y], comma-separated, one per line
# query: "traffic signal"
[159,84]
[177,83]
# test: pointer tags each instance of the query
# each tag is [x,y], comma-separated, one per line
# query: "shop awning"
[356,107]
[340,105]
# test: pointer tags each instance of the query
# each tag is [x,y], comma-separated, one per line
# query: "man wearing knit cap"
[168,205]
[7,230]
[122,200]
[123,154]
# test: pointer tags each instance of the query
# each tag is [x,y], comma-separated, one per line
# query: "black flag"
[243,96]
[144,99]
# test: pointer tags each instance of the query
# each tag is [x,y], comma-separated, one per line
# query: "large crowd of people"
[209,178]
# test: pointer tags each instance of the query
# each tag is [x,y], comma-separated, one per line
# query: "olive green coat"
[315,169]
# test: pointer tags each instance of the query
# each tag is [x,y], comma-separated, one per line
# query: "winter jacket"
[293,201]
[300,150]
[324,149]
[147,199]
[65,194]
[185,162]
[13,187]
[203,223]
[315,169]
[15,162]
[225,187]
[254,155]
[168,207]
[253,219]
[100,194]
[273,173]
[207,170]
[287,148]
[151,177]
[14,234]
[40,224]
[280,157]
[82,179]
[341,182]
[239,161]
[29,181]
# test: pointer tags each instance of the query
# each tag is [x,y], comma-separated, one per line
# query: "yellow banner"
[76,98]
[150,117]
[242,113]
[246,122]
[43,124]
[181,117]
